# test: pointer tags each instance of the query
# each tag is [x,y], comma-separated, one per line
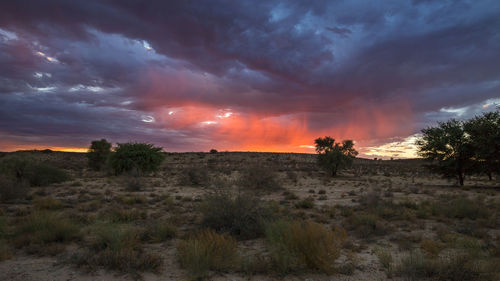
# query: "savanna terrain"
[248,216]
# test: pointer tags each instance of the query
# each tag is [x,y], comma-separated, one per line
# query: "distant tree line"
[460,148]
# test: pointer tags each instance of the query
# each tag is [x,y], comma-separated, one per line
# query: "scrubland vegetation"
[138,213]
[246,215]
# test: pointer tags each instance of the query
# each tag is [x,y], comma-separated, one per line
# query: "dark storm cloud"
[67,65]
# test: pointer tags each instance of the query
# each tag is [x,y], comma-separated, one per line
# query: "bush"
[25,169]
[465,208]
[415,266]
[118,215]
[207,251]
[42,175]
[3,227]
[243,216]
[366,225]
[11,189]
[431,247]
[455,265]
[160,232]
[47,203]
[303,244]
[5,252]
[307,203]
[259,178]
[118,247]
[213,151]
[146,158]
[98,154]
[46,227]
[385,258]
[194,176]
[133,181]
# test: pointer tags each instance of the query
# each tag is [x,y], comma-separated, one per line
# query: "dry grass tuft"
[206,251]
[299,244]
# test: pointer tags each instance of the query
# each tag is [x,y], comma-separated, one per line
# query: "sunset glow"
[245,76]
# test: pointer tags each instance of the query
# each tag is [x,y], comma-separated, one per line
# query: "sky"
[243,75]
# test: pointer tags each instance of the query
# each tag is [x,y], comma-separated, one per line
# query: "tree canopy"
[334,156]
[456,148]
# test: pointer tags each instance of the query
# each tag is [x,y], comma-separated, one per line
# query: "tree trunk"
[460,179]
[490,177]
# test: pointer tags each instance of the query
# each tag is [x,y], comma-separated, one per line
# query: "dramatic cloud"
[243,75]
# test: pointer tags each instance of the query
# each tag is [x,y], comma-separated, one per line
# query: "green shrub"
[431,247]
[258,178]
[47,203]
[131,200]
[11,189]
[213,151]
[290,195]
[243,216]
[118,247]
[455,265]
[46,227]
[25,169]
[5,252]
[298,244]
[118,215]
[307,203]
[385,258]
[465,208]
[98,154]
[146,158]
[207,251]
[415,266]
[3,227]
[366,225]
[160,232]
[42,175]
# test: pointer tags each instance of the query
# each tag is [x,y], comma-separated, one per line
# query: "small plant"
[160,232]
[386,260]
[431,247]
[258,178]
[118,247]
[42,175]
[45,227]
[298,244]
[465,208]
[415,266]
[133,181]
[98,154]
[366,225]
[23,170]
[290,195]
[10,189]
[206,251]
[118,215]
[194,176]
[146,158]
[131,200]
[307,203]
[47,203]
[5,252]
[243,216]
